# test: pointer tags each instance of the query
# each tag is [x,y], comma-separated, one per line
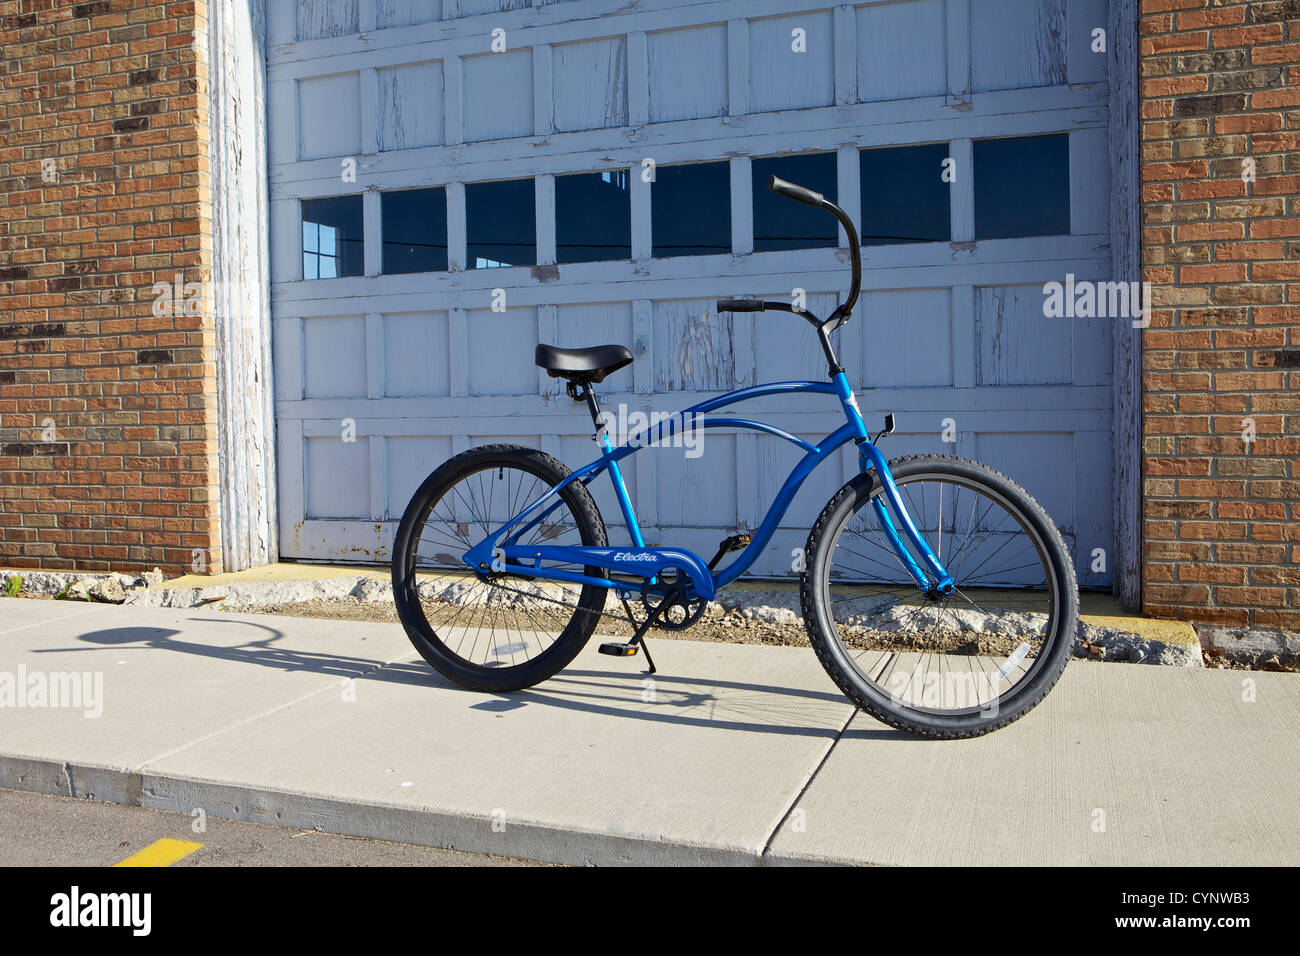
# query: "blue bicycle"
[936,592]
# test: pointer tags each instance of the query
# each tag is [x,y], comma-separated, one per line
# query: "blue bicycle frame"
[501,551]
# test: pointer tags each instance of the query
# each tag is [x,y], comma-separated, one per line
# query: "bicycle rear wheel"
[953,665]
[482,629]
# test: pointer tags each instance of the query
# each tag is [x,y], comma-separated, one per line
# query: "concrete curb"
[425,827]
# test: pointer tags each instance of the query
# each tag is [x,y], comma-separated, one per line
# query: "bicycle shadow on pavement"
[262,652]
[718,704]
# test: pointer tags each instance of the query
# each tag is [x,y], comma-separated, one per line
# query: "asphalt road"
[42,830]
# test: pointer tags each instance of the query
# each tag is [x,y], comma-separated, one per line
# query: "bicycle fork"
[870,458]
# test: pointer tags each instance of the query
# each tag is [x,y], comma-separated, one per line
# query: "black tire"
[495,675]
[1060,587]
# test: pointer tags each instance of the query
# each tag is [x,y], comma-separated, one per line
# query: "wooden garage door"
[407,305]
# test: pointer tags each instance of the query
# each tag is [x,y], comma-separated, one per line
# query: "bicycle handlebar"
[740,305]
[797,193]
[809,197]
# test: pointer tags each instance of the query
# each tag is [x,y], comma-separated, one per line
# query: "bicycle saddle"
[582,365]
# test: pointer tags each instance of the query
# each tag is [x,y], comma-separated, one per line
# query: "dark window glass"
[690,210]
[904,196]
[501,224]
[331,238]
[1022,186]
[415,230]
[593,217]
[781,223]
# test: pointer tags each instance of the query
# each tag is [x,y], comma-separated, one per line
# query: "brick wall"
[102,173]
[1220,85]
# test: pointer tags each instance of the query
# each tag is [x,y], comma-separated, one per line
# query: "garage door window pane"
[904,196]
[501,224]
[690,210]
[781,223]
[332,238]
[415,230]
[593,217]
[1022,187]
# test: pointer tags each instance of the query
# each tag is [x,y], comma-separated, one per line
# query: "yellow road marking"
[162,852]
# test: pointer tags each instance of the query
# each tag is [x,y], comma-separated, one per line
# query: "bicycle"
[946,620]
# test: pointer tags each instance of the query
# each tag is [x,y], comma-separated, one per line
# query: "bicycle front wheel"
[954,665]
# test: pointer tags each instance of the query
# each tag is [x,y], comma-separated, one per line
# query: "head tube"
[850,404]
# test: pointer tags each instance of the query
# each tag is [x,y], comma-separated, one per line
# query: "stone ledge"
[1262,648]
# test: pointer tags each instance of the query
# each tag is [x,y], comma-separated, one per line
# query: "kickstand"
[650,661]
[639,636]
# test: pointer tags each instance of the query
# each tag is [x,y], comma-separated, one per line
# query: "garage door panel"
[589,84]
[417,354]
[327,18]
[338,477]
[780,78]
[329,116]
[1094,516]
[501,352]
[1018,345]
[1090,181]
[907,338]
[697,491]
[1017,44]
[334,351]
[1088,64]
[411,458]
[1092,349]
[411,106]
[694,349]
[687,73]
[491,112]
[902,50]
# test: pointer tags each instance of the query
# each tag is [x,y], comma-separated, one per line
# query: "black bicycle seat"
[582,365]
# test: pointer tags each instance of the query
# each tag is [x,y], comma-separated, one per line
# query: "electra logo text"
[634,556]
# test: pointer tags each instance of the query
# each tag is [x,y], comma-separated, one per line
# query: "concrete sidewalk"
[737,754]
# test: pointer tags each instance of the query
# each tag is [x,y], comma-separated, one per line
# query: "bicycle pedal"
[728,544]
[615,649]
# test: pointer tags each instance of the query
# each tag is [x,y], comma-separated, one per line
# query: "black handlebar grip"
[798,193]
[740,305]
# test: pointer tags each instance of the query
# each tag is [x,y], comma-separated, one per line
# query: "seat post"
[588,394]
